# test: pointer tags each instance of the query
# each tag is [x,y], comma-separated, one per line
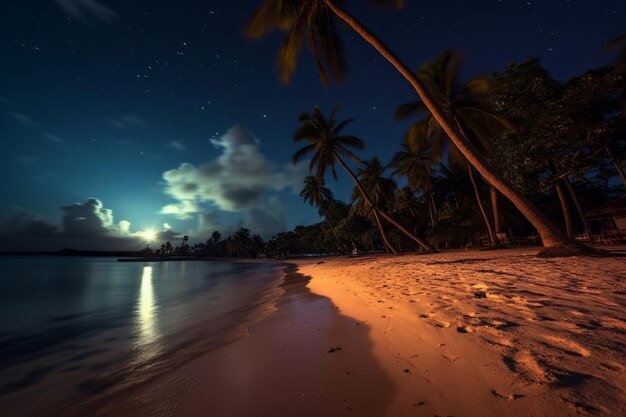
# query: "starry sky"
[121,116]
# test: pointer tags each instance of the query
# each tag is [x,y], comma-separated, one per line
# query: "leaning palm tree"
[315,193]
[471,113]
[310,23]
[328,146]
[379,189]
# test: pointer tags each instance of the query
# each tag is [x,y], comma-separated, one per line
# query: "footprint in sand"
[465,329]
[524,364]
[495,339]
[567,346]
[507,396]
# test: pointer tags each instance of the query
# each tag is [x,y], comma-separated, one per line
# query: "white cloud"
[85,226]
[124,227]
[182,210]
[125,120]
[234,181]
[177,145]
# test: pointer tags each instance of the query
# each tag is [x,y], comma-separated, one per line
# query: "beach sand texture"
[490,333]
[464,334]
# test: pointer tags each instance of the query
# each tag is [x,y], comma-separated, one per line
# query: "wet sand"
[306,359]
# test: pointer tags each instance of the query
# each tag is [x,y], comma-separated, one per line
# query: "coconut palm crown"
[325,141]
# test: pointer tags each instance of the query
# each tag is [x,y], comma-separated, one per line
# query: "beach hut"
[613,219]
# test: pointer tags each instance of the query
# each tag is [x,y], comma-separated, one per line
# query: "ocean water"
[74,329]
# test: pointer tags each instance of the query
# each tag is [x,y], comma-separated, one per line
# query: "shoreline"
[463,333]
[305,359]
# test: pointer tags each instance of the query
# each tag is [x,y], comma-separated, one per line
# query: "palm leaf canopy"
[307,23]
[325,141]
[415,163]
[379,188]
[467,103]
[315,191]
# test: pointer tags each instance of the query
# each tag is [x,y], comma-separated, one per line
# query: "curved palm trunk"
[388,244]
[550,234]
[567,215]
[579,206]
[497,225]
[386,216]
[332,229]
[492,236]
[432,209]
[619,169]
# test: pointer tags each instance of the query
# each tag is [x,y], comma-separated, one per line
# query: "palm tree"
[328,146]
[241,242]
[380,191]
[415,163]
[310,22]
[470,112]
[317,194]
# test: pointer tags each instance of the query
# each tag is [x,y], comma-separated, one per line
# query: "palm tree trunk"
[567,215]
[579,206]
[430,211]
[332,229]
[386,216]
[432,201]
[497,225]
[388,245]
[619,169]
[492,236]
[550,234]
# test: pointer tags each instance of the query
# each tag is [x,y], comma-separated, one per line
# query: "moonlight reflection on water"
[148,335]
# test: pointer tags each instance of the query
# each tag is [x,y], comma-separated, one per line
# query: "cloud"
[87,219]
[267,221]
[54,138]
[126,120]
[23,119]
[235,181]
[85,226]
[177,145]
[82,9]
[209,222]
[29,224]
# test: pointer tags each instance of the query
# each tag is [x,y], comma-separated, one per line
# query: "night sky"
[120,116]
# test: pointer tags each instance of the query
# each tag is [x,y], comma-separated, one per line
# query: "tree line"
[515,153]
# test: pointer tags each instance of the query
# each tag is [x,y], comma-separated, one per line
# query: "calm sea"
[72,329]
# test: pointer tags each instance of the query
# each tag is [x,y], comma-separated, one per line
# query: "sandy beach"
[491,333]
[466,333]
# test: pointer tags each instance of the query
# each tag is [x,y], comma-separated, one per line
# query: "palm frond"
[337,130]
[302,153]
[331,44]
[412,108]
[351,141]
[271,16]
[290,49]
